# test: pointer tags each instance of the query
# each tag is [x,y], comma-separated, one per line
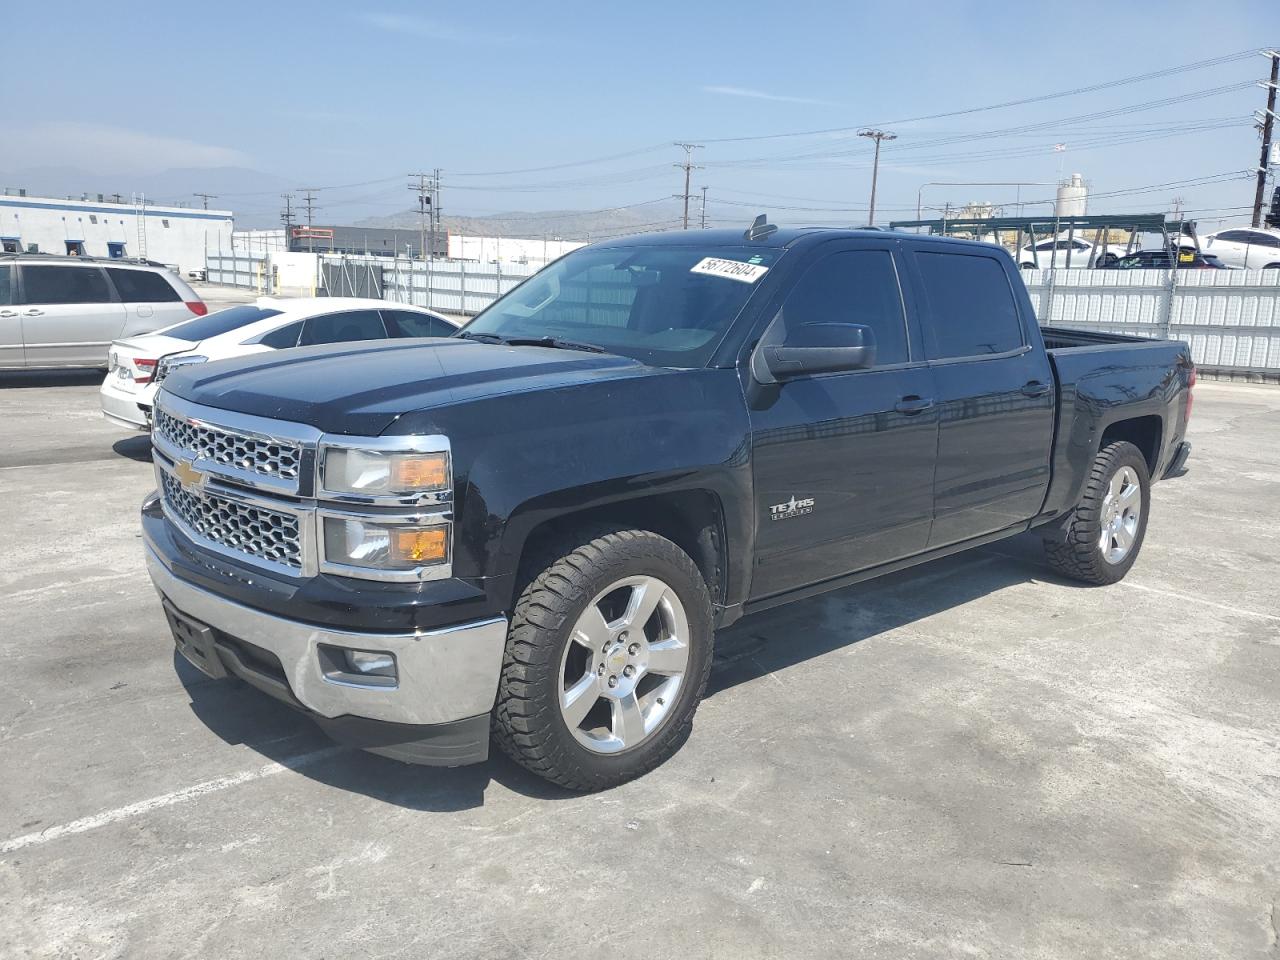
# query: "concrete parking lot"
[972,759]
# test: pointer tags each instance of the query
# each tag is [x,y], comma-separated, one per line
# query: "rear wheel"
[1101,537]
[607,657]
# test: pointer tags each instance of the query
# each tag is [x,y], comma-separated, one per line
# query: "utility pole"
[206,197]
[704,208]
[1268,124]
[878,136]
[286,217]
[309,199]
[688,166]
[425,209]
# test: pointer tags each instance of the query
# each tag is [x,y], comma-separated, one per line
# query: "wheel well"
[1143,432]
[691,519]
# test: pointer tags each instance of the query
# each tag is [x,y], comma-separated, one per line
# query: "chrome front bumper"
[443,675]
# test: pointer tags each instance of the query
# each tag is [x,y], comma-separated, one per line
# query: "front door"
[843,463]
[994,391]
[69,315]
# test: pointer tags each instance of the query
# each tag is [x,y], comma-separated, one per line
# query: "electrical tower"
[878,136]
[688,166]
[1267,124]
[205,198]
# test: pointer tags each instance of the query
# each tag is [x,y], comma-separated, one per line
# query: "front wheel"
[1100,539]
[606,660]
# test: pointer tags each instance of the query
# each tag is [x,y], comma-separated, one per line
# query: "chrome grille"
[251,530]
[268,458]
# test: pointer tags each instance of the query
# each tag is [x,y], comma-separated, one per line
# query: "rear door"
[994,388]
[843,463]
[10,320]
[150,301]
[70,315]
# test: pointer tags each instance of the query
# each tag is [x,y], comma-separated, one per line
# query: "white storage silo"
[1073,197]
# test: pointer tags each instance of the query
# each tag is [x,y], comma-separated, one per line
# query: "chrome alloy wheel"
[1121,512]
[624,664]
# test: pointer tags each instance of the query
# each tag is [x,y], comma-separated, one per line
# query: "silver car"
[58,311]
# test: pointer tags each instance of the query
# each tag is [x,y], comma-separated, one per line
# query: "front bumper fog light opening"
[359,668]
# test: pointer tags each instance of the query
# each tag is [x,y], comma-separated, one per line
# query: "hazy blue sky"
[332,93]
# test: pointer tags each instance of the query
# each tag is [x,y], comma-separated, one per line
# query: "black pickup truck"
[530,531]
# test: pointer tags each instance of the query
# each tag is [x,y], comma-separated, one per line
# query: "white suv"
[58,311]
[1247,248]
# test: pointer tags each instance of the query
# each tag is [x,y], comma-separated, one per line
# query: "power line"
[1075,91]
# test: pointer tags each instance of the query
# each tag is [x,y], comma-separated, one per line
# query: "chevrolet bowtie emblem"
[188,476]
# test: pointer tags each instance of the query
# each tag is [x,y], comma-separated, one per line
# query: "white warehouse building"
[177,236]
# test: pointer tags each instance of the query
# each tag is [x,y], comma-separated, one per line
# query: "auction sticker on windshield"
[731,269]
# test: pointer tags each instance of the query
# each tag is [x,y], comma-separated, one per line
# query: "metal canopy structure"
[1032,230]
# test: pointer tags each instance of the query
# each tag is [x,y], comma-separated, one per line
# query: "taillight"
[197,307]
[1191,385]
[146,370]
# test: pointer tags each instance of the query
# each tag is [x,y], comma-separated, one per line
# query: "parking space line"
[193,792]
[1200,600]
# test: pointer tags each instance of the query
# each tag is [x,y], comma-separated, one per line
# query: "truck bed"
[1066,338]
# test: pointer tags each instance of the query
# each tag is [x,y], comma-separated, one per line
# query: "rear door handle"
[34,313]
[913,405]
[1035,388]
[8,313]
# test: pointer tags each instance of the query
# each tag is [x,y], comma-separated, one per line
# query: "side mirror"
[814,348]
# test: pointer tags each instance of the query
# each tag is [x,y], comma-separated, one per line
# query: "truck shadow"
[751,650]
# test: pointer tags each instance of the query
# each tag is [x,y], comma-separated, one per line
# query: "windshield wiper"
[554,342]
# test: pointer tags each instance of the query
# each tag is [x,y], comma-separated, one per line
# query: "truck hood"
[362,388]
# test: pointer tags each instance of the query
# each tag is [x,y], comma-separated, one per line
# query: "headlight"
[389,547]
[375,473]
[167,365]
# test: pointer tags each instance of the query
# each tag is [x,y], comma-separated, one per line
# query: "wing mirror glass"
[814,348]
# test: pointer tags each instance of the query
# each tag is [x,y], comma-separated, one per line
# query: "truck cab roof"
[782,238]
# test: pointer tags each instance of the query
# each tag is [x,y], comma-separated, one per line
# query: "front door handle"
[1035,388]
[913,405]
[34,313]
[8,313]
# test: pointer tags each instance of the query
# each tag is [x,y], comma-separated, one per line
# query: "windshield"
[663,305]
[215,324]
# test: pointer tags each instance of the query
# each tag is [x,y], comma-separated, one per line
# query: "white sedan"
[1082,254]
[138,364]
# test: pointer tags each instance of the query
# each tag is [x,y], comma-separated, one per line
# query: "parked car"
[1187,259]
[1070,251]
[1246,248]
[59,311]
[533,528]
[137,365]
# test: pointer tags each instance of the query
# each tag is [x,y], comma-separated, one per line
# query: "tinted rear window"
[344,327]
[6,286]
[224,321]
[971,307]
[52,285]
[407,323]
[142,286]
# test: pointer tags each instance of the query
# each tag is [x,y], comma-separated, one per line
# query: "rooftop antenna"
[760,229]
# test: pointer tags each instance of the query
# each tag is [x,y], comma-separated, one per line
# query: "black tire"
[527,722]
[1077,551]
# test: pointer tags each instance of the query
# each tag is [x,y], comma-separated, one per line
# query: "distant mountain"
[552,224]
